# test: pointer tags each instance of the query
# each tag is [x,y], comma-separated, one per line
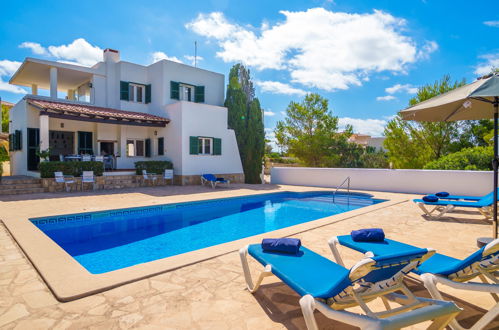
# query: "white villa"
[130,112]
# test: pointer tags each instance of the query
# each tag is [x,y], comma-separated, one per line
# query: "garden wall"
[404,181]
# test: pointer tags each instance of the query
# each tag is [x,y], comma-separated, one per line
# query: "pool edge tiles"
[68,280]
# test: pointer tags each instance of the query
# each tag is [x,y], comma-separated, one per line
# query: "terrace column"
[34,89]
[71,94]
[44,132]
[53,82]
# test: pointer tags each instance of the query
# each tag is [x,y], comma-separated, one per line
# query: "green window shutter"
[124,85]
[199,94]
[174,90]
[148,148]
[18,140]
[217,146]
[161,146]
[193,145]
[11,142]
[148,93]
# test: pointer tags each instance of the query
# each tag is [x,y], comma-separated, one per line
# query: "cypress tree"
[245,117]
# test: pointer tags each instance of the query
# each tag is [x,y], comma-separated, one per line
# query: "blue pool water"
[115,239]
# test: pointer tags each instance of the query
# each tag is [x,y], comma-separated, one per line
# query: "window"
[136,93]
[186,92]
[85,143]
[204,146]
[135,148]
[161,146]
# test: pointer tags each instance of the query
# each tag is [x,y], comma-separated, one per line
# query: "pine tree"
[246,119]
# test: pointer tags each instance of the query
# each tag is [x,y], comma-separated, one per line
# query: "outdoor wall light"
[155,132]
[62,125]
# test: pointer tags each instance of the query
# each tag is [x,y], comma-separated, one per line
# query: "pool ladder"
[347,181]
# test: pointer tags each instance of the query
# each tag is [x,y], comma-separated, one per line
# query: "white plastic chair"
[148,177]
[88,177]
[67,180]
[99,158]
[86,158]
[168,175]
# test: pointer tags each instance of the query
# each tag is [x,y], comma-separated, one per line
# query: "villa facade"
[130,112]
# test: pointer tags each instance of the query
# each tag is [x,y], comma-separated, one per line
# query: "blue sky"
[366,57]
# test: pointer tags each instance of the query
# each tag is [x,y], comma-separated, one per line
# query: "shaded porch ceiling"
[82,112]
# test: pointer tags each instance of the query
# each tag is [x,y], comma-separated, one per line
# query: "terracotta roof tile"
[90,110]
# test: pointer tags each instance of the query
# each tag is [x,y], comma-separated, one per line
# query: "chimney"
[111,55]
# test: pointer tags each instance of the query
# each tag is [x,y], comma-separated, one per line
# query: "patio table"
[72,158]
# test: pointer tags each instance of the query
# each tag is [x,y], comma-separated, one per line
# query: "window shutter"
[18,140]
[199,94]
[148,93]
[193,145]
[148,148]
[217,146]
[161,146]
[124,85]
[11,142]
[174,90]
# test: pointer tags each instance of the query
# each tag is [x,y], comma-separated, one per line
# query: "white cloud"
[35,47]
[385,98]
[492,23]
[275,87]
[320,48]
[283,113]
[158,56]
[79,52]
[491,62]
[7,69]
[409,89]
[373,127]
[428,48]
[269,113]
[191,58]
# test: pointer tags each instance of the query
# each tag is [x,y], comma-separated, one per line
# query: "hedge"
[472,159]
[47,169]
[153,166]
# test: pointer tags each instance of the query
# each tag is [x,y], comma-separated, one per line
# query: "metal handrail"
[347,180]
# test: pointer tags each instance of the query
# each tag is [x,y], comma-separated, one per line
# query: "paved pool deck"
[210,294]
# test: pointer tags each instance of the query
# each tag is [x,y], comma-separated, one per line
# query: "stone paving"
[211,294]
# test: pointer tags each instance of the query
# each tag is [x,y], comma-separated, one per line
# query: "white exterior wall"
[19,118]
[402,181]
[208,121]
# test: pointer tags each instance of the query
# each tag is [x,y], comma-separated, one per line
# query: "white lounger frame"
[443,209]
[413,310]
[430,282]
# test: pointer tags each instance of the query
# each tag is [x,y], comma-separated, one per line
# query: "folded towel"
[442,194]
[368,235]
[285,245]
[430,199]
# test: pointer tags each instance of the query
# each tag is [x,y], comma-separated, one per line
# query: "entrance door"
[33,144]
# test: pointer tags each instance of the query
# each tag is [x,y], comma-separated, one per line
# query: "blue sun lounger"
[332,288]
[213,180]
[442,206]
[441,269]
[467,198]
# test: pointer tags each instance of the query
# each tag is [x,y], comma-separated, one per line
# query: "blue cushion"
[430,199]
[442,194]
[209,177]
[284,245]
[306,272]
[221,179]
[437,264]
[368,235]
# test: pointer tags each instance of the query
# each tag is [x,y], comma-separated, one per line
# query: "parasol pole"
[495,164]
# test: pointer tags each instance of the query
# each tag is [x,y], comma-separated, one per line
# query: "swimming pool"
[110,240]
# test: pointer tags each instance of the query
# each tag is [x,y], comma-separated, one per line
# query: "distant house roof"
[10,104]
[82,112]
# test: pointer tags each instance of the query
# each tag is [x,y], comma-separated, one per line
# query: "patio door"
[33,143]
[85,143]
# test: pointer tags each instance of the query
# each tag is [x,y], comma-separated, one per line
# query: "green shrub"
[47,169]
[153,166]
[473,159]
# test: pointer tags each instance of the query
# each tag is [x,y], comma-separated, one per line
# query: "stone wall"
[131,181]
